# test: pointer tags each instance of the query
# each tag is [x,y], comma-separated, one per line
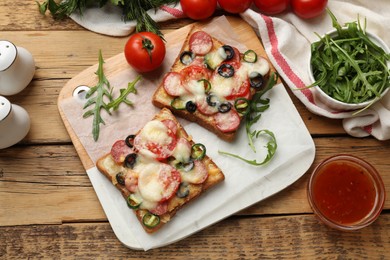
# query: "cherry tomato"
[234,6]
[198,9]
[307,9]
[271,6]
[144,51]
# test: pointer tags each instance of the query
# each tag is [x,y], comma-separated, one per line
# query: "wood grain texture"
[259,238]
[53,179]
[49,209]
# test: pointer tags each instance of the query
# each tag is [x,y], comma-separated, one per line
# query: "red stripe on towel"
[282,62]
[173,11]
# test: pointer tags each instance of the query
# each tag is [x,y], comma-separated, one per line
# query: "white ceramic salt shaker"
[17,68]
[14,123]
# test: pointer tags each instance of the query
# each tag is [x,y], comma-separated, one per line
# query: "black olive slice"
[212,100]
[183,190]
[130,140]
[186,167]
[130,160]
[186,57]
[191,106]
[229,52]
[224,107]
[256,80]
[120,178]
[226,70]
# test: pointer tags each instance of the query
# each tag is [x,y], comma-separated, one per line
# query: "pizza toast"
[159,169]
[208,80]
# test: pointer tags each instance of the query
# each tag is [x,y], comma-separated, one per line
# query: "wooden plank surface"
[295,237]
[48,208]
[53,179]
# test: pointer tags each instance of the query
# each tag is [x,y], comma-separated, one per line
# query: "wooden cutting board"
[113,65]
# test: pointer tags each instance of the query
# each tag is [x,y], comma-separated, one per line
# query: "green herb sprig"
[271,148]
[350,67]
[97,94]
[256,106]
[124,92]
[136,10]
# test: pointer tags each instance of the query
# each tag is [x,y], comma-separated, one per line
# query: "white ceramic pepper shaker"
[14,123]
[17,68]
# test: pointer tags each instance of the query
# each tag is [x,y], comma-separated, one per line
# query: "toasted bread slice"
[115,168]
[207,65]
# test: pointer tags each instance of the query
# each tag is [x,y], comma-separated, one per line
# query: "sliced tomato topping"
[241,81]
[158,182]
[172,84]
[157,139]
[227,122]
[200,43]
[194,73]
[193,77]
[119,150]
[240,90]
[197,175]
[160,209]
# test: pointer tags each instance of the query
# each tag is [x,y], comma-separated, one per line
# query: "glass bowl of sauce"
[346,192]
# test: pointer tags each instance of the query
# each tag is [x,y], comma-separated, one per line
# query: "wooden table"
[49,209]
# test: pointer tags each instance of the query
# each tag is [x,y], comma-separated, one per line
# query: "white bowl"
[343,106]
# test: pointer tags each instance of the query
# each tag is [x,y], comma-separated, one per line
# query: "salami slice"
[204,107]
[160,209]
[119,150]
[200,43]
[197,175]
[227,122]
[131,181]
[172,84]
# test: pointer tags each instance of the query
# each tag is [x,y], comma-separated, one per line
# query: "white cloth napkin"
[286,39]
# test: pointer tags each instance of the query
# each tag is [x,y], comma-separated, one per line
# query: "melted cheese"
[153,132]
[261,66]
[156,132]
[182,150]
[149,184]
[223,87]
[195,87]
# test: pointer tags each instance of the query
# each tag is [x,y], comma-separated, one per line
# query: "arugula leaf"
[257,105]
[350,67]
[101,89]
[271,147]
[123,95]
[99,93]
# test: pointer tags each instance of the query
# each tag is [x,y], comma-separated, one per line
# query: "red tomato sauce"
[344,192]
